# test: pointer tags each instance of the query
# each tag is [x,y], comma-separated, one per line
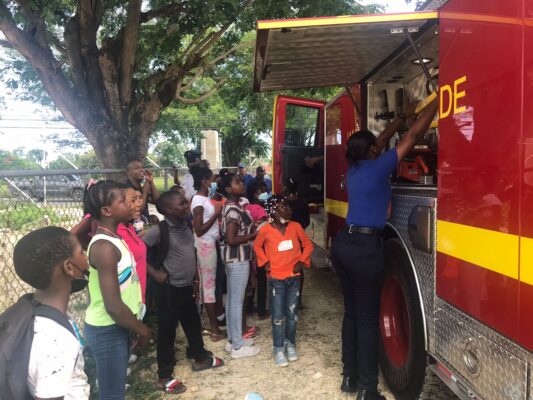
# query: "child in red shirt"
[283,249]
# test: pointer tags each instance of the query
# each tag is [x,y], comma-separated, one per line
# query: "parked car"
[63,186]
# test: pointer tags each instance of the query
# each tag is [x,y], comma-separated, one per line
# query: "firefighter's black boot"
[349,384]
[365,394]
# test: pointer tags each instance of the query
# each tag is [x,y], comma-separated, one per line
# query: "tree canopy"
[112,67]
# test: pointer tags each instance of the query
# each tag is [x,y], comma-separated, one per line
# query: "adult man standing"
[136,174]
[245,176]
[193,158]
[260,178]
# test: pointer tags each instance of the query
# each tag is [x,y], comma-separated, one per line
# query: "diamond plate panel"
[424,263]
[501,373]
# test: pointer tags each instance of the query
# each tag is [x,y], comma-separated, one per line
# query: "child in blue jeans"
[283,249]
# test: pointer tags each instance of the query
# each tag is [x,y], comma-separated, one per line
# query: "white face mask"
[282,220]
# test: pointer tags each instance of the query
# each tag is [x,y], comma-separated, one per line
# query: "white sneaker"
[245,351]
[247,342]
[128,371]
[132,359]
[280,360]
[292,354]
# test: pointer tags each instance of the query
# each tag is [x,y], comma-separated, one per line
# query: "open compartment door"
[331,51]
[298,134]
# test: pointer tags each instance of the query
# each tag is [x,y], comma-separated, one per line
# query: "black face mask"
[78,284]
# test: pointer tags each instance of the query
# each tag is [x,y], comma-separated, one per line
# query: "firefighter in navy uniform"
[357,252]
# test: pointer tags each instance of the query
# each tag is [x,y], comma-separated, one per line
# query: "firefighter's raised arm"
[392,128]
[417,130]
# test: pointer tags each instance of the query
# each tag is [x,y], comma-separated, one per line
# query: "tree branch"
[205,96]
[161,12]
[6,44]
[129,45]
[71,36]
[90,13]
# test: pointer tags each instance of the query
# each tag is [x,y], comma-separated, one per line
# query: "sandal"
[173,386]
[254,329]
[216,363]
[249,335]
[215,337]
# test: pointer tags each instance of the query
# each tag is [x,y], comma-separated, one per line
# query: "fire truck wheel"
[402,354]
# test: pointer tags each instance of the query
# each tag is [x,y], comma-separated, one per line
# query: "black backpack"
[156,255]
[16,337]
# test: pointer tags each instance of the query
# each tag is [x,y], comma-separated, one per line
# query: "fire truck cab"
[458,294]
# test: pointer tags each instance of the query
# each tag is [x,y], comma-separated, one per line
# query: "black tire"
[405,381]
[77,195]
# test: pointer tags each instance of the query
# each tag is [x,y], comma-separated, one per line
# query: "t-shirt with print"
[209,210]
[180,262]
[56,363]
[236,213]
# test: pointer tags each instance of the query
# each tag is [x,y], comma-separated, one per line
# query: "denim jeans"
[237,279]
[110,347]
[284,295]
[358,260]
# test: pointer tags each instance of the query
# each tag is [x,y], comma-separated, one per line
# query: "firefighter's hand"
[409,109]
[160,276]
[298,268]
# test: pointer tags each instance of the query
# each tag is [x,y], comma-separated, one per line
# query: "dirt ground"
[317,375]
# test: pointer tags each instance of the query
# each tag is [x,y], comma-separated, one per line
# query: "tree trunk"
[114,149]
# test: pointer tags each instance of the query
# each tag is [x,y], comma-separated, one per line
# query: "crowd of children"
[217,236]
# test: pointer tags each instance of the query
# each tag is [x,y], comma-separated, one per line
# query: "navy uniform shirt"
[369,190]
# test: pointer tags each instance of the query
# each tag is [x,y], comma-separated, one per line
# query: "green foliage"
[16,160]
[28,215]
[86,160]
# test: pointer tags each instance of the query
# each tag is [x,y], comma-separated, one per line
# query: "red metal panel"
[479,146]
[278,134]
[481,293]
[526,176]
[341,122]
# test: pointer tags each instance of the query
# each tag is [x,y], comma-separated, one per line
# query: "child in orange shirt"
[283,249]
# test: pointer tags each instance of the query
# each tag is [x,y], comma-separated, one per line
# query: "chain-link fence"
[34,199]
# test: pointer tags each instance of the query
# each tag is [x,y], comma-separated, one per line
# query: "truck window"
[301,126]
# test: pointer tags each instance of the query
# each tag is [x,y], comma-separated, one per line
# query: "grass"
[22,215]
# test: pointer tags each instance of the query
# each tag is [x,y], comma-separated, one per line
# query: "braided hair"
[100,195]
[36,254]
[200,174]
[226,177]
[271,205]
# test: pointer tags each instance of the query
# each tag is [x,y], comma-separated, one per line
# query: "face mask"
[282,220]
[213,189]
[263,197]
[78,284]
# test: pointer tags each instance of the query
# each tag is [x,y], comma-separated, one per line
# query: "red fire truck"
[458,293]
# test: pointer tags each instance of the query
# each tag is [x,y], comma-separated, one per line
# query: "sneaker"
[128,371]
[132,359]
[247,342]
[280,360]
[245,351]
[292,354]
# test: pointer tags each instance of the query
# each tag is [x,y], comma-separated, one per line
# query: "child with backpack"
[283,249]
[174,241]
[115,307]
[40,346]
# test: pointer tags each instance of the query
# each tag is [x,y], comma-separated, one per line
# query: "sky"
[24,124]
